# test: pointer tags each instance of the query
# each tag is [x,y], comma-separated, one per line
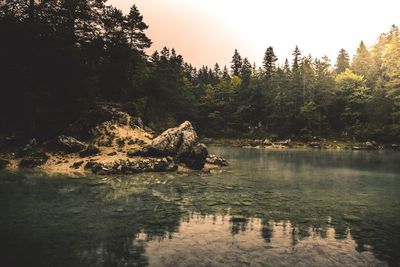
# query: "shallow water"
[268,208]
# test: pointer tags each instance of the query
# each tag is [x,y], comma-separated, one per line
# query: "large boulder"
[180,142]
[70,144]
[175,141]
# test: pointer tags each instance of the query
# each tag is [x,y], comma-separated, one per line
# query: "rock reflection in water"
[208,241]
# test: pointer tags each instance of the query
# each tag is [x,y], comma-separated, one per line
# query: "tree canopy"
[58,58]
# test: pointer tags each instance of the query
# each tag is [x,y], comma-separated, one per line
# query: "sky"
[208,31]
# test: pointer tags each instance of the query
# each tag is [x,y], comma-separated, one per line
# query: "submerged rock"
[215,160]
[70,144]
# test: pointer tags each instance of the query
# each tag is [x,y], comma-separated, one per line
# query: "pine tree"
[269,62]
[342,61]
[296,59]
[246,72]
[217,70]
[134,30]
[225,74]
[236,64]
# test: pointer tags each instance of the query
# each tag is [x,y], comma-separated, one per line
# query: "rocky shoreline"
[269,143]
[120,145]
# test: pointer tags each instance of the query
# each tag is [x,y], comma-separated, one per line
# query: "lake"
[268,208]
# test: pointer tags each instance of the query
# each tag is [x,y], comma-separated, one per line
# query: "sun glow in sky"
[208,31]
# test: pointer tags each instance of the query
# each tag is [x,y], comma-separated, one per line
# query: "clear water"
[269,208]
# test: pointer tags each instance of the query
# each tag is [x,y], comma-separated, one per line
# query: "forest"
[59,58]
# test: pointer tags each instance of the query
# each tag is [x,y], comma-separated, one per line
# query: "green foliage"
[57,58]
[342,61]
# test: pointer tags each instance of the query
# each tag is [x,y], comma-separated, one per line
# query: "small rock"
[315,145]
[89,151]
[136,122]
[70,144]
[105,142]
[120,142]
[131,142]
[76,165]
[267,142]
[112,153]
[215,160]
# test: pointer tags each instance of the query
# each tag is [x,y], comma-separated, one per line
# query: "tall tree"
[236,63]
[245,72]
[342,61]
[269,62]
[134,30]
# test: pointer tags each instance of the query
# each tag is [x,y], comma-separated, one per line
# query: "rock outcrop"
[176,140]
[119,144]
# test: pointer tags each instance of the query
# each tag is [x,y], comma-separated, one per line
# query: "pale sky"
[207,31]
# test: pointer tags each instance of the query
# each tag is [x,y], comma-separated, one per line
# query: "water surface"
[268,208]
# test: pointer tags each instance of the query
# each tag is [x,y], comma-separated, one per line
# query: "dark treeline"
[58,58]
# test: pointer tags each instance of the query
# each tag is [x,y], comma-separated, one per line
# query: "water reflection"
[208,241]
[269,208]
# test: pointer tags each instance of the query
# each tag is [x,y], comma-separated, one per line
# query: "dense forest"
[58,58]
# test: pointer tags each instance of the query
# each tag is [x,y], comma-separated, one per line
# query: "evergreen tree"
[236,64]
[225,74]
[269,62]
[245,72]
[342,61]
[134,30]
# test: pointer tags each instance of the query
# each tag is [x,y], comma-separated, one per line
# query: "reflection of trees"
[67,222]
[311,208]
